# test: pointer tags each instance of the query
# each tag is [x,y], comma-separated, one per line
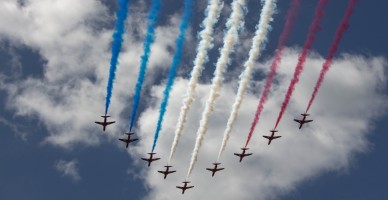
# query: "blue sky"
[33,145]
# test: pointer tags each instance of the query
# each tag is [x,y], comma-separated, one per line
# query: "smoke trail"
[291,15]
[173,68]
[212,13]
[314,28]
[258,44]
[338,36]
[149,40]
[121,14]
[234,24]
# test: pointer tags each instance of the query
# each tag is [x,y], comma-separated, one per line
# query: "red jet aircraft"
[167,172]
[150,159]
[243,154]
[215,169]
[303,120]
[128,139]
[184,187]
[272,137]
[105,122]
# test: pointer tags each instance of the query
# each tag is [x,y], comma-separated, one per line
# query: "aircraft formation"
[213,171]
[233,27]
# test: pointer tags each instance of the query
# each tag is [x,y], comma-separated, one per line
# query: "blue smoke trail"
[121,14]
[173,68]
[149,40]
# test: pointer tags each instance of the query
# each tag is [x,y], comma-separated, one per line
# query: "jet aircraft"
[243,154]
[303,120]
[128,139]
[150,159]
[167,172]
[105,122]
[272,137]
[215,169]
[184,187]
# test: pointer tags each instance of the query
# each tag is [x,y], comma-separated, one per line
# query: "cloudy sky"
[54,64]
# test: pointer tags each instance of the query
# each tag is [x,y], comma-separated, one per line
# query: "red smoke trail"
[291,15]
[314,28]
[338,36]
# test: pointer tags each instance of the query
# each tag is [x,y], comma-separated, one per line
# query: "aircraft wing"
[145,159]
[101,123]
[248,154]
[132,140]
[188,187]
[237,154]
[107,123]
[297,120]
[123,140]
[307,121]
[264,136]
[155,159]
[219,169]
[210,169]
[179,187]
[277,137]
[162,172]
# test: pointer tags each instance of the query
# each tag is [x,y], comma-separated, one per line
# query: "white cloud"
[348,103]
[71,94]
[69,169]
[14,128]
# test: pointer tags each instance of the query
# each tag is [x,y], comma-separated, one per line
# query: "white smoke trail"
[234,24]
[258,44]
[213,12]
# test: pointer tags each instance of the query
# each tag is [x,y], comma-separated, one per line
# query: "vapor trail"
[212,14]
[121,14]
[314,28]
[258,44]
[290,18]
[338,36]
[149,40]
[234,24]
[175,63]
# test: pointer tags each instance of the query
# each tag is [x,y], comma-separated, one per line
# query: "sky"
[54,63]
